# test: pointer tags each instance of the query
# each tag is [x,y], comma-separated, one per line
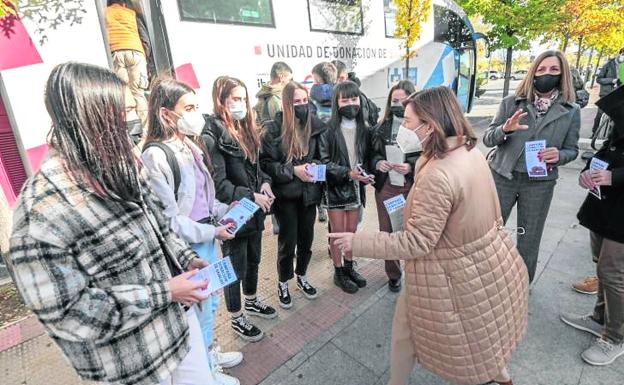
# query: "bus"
[241,38]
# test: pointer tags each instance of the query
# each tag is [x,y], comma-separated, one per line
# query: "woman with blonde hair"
[465,305]
[290,151]
[542,110]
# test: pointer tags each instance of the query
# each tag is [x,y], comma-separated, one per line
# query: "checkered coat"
[95,274]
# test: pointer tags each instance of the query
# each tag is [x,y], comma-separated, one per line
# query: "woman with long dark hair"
[92,254]
[234,144]
[396,177]
[179,173]
[344,149]
[290,149]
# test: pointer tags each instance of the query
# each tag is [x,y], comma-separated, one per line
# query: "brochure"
[318,171]
[218,274]
[394,155]
[239,215]
[597,164]
[395,207]
[535,167]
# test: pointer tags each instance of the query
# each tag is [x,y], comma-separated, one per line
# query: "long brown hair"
[244,132]
[294,146]
[87,109]
[439,108]
[405,85]
[566,89]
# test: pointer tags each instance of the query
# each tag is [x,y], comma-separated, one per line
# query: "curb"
[19,332]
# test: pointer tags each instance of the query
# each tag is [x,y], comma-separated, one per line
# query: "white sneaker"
[223,379]
[226,359]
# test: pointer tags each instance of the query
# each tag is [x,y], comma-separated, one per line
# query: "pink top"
[201,206]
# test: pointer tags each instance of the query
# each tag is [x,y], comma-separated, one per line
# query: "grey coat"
[559,127]
[608,73]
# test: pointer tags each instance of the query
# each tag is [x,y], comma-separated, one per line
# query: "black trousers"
[245,255]
[296,231]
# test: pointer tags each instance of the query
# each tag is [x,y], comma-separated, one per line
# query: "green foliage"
[410,16]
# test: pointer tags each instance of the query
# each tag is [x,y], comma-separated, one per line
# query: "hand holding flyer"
[597,164]
[394,207]
[239,215]
[318,171]
[218,275]
[395,155]
[535,167]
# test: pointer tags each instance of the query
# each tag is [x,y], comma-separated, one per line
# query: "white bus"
[242,38]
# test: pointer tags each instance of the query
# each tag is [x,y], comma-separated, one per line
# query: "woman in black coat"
[234,144]
[344,149]
[392,178]
[289,150]
[602,215]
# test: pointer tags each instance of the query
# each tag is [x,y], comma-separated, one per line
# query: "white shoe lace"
[244,322]
[260,305]
[304,283]
[284,289]
[605,346]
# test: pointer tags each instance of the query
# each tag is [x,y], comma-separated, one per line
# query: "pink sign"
[15,40]
[185,73]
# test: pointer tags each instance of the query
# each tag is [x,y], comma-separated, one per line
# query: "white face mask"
[238,110]
[408,141]
[191,123]
[621,58]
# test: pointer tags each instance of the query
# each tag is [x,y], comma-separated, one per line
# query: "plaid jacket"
[94,272]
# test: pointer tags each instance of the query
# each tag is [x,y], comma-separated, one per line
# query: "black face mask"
[301,112]
[350,111]
[398,111]
[546,83]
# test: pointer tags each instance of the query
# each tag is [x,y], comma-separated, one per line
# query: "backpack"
[603,132]
[371,111]
[582,97]
[263,114]
[171,160]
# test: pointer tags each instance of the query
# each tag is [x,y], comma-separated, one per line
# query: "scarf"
[542,105]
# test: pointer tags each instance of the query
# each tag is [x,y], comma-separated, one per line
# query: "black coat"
[381,137]
[604,216]
[340,188]
[235,177]
[273,160]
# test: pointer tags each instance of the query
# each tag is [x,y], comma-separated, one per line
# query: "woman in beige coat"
[464,308]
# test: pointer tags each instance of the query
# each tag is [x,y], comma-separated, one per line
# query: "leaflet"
[318,171]
[218,275]
[239,215]
[535,167]
[597,164]
[395,207]
[394,155]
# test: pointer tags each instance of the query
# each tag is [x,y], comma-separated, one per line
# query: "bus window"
[337,16]
[246,12]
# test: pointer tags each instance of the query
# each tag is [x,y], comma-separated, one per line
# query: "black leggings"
[245,255]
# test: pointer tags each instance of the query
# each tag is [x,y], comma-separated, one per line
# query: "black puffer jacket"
[604,216]
[273,160]
[340,188]
[235,177]
[381,137]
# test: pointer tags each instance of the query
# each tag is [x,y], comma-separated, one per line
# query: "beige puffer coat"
[466,284]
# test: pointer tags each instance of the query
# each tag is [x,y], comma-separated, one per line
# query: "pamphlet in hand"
[364,173]
[395,155]
[395,207]
[239,215]
[318,172]
[535,167]
[218,274]
[597,164]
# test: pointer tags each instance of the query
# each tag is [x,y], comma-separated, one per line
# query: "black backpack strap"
[171,160]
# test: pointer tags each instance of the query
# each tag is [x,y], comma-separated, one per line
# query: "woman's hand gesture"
[344,241]
[513,124]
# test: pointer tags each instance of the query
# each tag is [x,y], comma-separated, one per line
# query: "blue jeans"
[208,252]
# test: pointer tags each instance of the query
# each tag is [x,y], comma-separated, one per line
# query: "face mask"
[350,111]
[408,141]
[191,123]
[621,58]
[134,127]
[397,110]
[546,83]
[238,110]
[301,112]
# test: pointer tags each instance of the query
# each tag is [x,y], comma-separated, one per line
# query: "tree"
[514,23]
[47,14]
[410,15]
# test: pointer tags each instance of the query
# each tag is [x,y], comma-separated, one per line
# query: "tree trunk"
[407,56]
[565,43]
[596,69]
[578,54]
[591,55]
[507,71]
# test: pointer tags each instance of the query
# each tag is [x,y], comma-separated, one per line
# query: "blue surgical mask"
[238,110]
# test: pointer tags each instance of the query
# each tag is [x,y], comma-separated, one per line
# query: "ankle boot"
[354,275]
[341,279]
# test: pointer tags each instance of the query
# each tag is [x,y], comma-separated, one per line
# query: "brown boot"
[588,286]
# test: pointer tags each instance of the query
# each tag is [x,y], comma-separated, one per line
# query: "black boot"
[341,279]
[354,275]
